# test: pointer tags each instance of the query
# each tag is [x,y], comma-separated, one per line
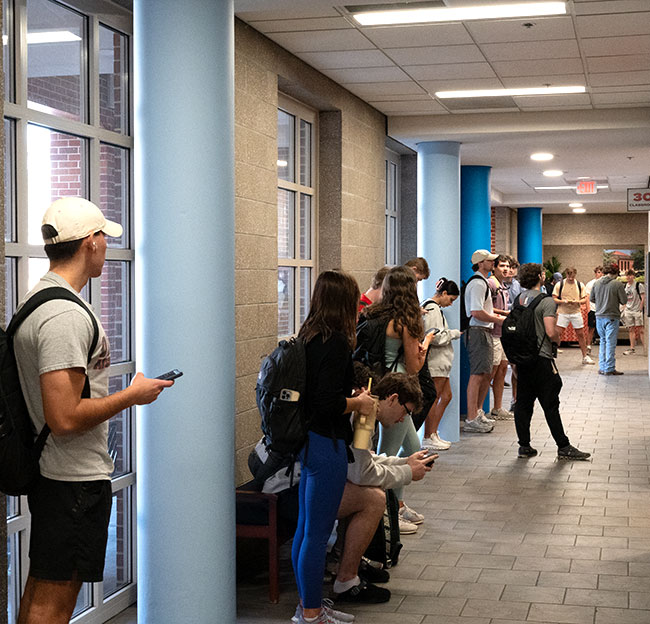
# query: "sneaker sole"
[409,532]
[565,458]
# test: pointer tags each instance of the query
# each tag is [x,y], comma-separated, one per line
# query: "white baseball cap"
[482,254]
[74,218]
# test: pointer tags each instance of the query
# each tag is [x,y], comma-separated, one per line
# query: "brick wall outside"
[60,93]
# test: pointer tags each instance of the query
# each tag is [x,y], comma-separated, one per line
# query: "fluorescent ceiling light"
[579,210]
[552,173]
[460,14]
[282,163]
[565,188]
[52,36]
[512,92]
[541,156]
[575,205]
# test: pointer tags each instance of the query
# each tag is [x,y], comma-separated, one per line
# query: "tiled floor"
[509,540]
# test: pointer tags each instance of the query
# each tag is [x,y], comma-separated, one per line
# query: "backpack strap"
[35,301]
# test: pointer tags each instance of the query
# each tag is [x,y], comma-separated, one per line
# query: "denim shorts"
[69,529]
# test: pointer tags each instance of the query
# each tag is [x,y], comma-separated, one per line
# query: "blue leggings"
[402,436]
[322,480]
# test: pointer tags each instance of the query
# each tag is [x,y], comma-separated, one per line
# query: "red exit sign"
[586,187]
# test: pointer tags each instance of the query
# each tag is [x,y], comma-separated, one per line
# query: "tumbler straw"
[369,384]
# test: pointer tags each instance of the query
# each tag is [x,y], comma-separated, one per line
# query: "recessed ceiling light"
[541,156]
[575,205]
[552,173]
[51,36]
[459,14]
[512,92]
[579,210]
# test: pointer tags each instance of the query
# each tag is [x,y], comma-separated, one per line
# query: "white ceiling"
[602,44]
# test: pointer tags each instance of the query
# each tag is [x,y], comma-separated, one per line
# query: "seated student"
[373,294]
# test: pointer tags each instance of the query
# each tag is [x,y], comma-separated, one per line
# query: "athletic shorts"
[591,319]
[575,319]
[498,354]
[632,319]
[479,350]
[69,529]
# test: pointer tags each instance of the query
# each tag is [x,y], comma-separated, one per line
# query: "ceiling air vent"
[396,6]
[479,103]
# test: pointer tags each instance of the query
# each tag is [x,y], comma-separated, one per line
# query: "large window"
[392,256]
[67,132]
[296,209]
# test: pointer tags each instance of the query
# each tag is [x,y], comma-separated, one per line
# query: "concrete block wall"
[351,196]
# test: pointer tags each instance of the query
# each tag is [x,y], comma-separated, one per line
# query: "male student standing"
[71,502]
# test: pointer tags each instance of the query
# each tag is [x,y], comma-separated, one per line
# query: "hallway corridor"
[509,540]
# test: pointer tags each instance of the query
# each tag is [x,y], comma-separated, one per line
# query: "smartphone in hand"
[169,375]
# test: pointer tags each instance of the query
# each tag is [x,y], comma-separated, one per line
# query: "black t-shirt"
[329,383]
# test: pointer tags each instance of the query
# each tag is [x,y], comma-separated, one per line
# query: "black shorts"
[69,529]
[591,319]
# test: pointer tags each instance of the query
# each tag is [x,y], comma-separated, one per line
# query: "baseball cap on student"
[482,254]
[74,218]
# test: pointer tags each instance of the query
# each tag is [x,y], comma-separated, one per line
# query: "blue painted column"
[529,235]
[476,233]
[439,243]
[184,183]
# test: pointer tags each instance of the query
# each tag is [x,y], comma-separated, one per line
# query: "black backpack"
[371,345]
[280,394]
[518,333]
[385,545]
[20,447]
[464,316]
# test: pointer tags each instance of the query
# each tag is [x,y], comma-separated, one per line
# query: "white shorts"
[575,319]
[632,319]
[498,354]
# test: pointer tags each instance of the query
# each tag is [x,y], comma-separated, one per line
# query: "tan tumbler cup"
[364,426]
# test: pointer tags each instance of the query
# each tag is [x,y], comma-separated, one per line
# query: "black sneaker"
[364,592]
[372,574]
[527,451]
[617,372]
[571,452]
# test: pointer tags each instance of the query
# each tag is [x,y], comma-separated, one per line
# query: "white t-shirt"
[633,297]
[475,300]
[57,336]
[588,286]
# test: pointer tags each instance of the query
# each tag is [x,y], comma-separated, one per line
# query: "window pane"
[13,577]
[286,290]
[36,268]
[10,178]
[286,149]
[11,289]
[13,506]
[305,153]
[305,227]
[392,199]
[8,50]
[114,189]
[85,599]
[286,224]
[55,168]
[54,56]
[112,80]
[117,570]
[119,428]
[305,292]
[115,314]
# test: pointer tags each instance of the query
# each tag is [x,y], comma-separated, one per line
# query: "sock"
[340,587]
[306,619]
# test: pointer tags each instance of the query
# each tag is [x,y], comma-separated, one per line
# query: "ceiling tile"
[451,70]
[626,105]
[630,62]
[436,54]
[293,25]
[347,59]
[453,85]
[383,97]
[508,31]
[366,90]
[402,36]
[627,97]
[409,107]
[564,48]
[555,80]
[622,24]
[551,101]
[610,6]
[614,46]
[367,74]
[620,78]
[538,67]
[321,40]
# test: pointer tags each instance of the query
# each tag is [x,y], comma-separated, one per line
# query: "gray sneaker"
[502,414]
[571,452]
[476,426]
[480,415]
[328,610]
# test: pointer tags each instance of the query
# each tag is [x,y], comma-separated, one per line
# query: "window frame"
[392,211]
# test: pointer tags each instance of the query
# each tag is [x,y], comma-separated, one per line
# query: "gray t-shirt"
[634,296]
[57,336]
[475,300]
[546,307]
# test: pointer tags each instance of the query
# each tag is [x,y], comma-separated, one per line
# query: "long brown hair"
[333,307]
[399,301]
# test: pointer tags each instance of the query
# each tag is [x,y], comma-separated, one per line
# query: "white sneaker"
[480,415]
[587,360]
[435,442]
[410,515]
[629,352]
[476,426]
[328,607]
[407,528]
[502,414]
